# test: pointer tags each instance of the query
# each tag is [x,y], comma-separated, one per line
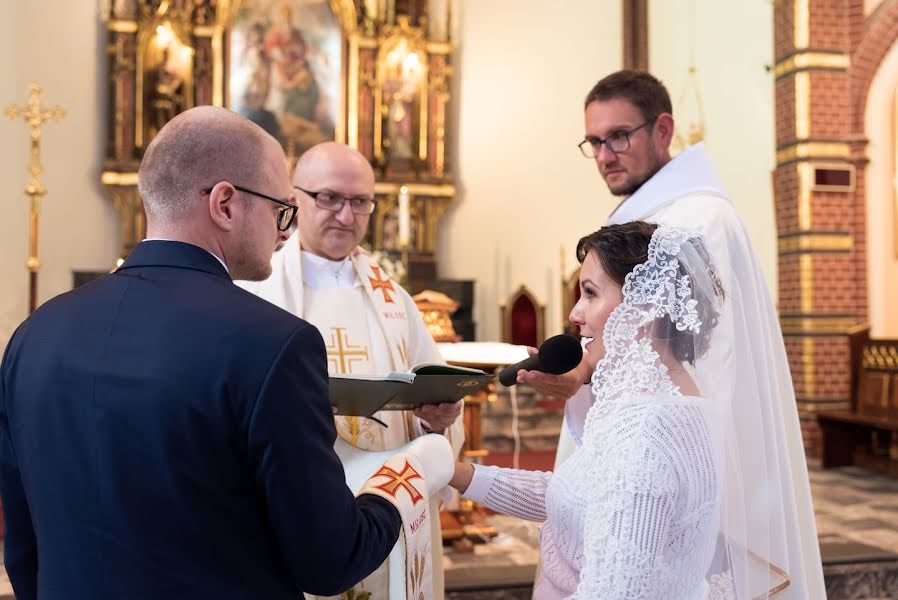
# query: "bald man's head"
[195,150]
[330,156]
[337,170]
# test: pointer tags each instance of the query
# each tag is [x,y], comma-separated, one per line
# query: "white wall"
[58,45]
[524,189]
[882,221]
[13,208]
[524,69]
[737,95]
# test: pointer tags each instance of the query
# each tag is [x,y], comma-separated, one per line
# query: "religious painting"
[285,69]
[403,73]
[402,81]
[167,64]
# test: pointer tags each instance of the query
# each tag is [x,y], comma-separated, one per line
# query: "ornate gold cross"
[34,114]
[342,353]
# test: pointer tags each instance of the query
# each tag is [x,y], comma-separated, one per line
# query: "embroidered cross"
[400,480]
[384,285]
[341,354]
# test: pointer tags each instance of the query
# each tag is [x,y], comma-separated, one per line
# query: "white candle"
[438,19]
[403,217]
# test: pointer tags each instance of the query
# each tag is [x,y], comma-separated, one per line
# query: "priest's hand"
[558,387]
[436,418]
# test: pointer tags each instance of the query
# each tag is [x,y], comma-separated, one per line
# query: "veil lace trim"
[654,289]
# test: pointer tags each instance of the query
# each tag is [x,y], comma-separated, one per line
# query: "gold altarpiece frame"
[165,56]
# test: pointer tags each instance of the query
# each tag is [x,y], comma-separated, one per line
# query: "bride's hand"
[464,472]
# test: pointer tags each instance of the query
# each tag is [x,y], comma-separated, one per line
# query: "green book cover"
[362,396]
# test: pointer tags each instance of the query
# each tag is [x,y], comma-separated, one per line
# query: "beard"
[249,263]
[255,273]
[634,182]
[629,187]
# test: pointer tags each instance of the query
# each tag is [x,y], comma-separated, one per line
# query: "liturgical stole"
[354,345]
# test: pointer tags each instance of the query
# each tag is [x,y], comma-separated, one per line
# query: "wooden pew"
[867,434]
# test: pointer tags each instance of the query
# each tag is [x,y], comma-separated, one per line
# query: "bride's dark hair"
[620,248]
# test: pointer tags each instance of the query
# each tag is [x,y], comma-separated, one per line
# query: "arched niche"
[881,130]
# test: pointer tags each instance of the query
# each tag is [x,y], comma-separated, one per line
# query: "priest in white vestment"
[369,323]
[629,128]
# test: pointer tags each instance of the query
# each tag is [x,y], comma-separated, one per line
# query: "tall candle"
[403,217]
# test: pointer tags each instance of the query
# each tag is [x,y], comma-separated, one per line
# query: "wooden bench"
[867,434]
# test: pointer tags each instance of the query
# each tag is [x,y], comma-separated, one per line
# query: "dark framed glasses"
[286,213]
[334,202]
[616,142]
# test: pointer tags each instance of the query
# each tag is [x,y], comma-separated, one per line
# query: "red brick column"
[827,53]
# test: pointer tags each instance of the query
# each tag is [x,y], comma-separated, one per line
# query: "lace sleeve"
[628,524]
[512,492]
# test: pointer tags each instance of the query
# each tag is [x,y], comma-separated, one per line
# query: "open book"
[364,395]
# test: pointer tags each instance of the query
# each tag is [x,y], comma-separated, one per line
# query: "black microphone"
[558,354]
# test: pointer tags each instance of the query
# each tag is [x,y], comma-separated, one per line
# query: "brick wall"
[825,76]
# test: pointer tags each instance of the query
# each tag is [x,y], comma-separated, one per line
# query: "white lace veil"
[676,319]
[659,314]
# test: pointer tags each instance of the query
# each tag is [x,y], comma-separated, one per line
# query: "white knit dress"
[633,514]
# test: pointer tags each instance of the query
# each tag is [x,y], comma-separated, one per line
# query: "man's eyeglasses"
[616,142]
[334,202]
[286,213]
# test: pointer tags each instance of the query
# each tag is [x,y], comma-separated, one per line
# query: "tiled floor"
[857,505]
[508,561]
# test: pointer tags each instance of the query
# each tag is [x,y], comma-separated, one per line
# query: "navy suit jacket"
[166,434]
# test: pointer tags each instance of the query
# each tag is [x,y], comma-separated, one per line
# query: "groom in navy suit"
[166,434]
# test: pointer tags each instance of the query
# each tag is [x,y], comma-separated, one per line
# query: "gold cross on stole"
[384,285]
[400,480]
[341,354]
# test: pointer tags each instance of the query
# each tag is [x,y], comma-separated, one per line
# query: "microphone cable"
[515,432]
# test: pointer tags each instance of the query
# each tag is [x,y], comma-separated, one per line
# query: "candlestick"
[404,218]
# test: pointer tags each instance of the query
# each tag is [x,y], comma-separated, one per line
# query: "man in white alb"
[369,323]
[629,127]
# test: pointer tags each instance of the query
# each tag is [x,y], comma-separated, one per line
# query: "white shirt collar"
[321,273]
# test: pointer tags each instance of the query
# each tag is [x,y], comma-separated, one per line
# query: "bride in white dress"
[642,509]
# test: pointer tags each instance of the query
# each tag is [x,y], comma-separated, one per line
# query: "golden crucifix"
[34,114]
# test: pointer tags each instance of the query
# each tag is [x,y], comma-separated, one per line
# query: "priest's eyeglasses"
[286,213]
[617,142]
[334,202]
